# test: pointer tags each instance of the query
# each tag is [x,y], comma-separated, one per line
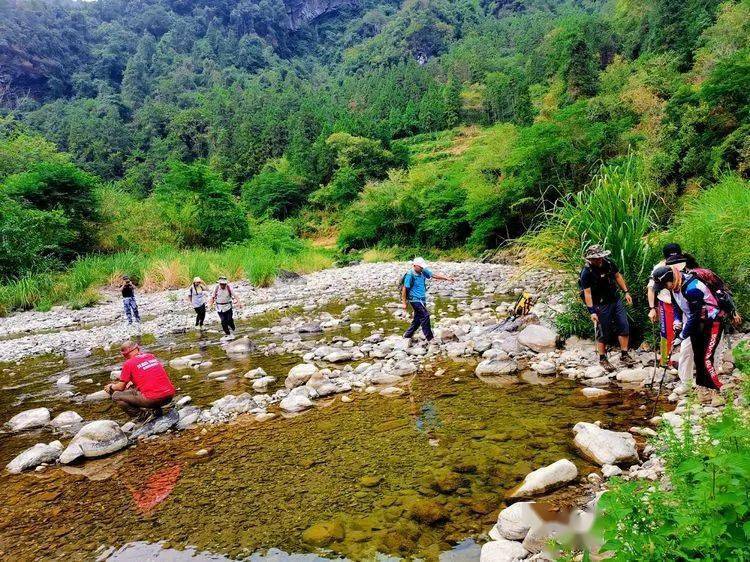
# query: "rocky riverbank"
[339,357]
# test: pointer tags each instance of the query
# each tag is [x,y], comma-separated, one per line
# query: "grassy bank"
[164,268]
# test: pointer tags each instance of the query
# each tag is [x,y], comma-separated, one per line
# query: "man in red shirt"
[144,385]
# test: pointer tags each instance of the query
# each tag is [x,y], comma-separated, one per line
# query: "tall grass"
[715,227]
[165,268]
[617,211]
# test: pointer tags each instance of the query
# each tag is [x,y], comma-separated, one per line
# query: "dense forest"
[142,125]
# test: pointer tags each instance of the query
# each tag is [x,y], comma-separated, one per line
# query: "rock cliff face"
[305,11]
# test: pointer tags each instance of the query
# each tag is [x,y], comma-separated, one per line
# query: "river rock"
[256,373]
[63,380]
[66,419]
[36,455]
[538,338]
[502,551]
[157,425]
[219,374]
[188,416]
[385,378]
[546,478]
[610,470]
[594,393]
[29,419]
[539,536]
[310,328]
[98,396]
[391,391]
[323,534]
[95,439]
[300,374]
[240,346]
[515,521]
[544,367]
[604,446]
[184,361]
[320,385]
[494,367]
[262,384]
[634,375]
[338,356]
[295,403]
[594,372]
[183,401]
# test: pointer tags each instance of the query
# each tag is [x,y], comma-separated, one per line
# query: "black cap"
[674,259]
[662,275]
[671,250]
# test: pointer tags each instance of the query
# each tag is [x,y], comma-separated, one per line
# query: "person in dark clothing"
[225,300]
[128,300]
[599,282]
[414,291]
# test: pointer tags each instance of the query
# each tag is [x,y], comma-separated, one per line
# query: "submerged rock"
[604,446]
[323,534]
[240,346]
[36,455]
[185,361]
[29,419]
[594,393]
[546,478]
[95,439]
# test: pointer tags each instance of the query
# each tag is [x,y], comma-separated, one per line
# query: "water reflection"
[155,489]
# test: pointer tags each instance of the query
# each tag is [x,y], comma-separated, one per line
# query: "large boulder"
[514,521]
[29,419]
[538,338]
[300,374]
[339,356]
[66,419]
[295,403]
[495,367]
[502,551]
[546,478]
[604,446]
[36,455]
[95,439]
[310,328]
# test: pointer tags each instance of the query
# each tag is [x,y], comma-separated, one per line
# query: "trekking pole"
[661,382]
[654,336]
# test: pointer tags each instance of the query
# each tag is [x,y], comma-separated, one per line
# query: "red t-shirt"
[148,376]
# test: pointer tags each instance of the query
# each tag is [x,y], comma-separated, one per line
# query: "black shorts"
[613,321]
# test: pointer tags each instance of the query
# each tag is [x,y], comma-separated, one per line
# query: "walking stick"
[661,382]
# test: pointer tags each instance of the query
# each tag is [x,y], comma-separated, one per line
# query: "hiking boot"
[626,359]
[606,365]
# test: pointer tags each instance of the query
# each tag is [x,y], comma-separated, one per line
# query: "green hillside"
[166,126]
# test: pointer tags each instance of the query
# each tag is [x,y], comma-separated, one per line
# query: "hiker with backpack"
[224,299]
[703,304]
[599,282]
[197,295]
[660,303]
[413,289]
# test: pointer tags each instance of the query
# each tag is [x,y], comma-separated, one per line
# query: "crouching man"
[144,385]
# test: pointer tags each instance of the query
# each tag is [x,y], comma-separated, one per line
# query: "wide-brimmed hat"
[197,280]
[420,261]
[222,279]
[596,251]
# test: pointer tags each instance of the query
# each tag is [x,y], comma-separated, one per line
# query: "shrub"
[63,187]
[274,192]
[703,513]
[616,211]
[715,226]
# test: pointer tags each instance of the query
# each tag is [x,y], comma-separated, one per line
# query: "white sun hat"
[420,262]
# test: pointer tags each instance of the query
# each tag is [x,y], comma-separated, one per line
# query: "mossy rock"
[446,481]
[427,511]
[323,534]
[370,481]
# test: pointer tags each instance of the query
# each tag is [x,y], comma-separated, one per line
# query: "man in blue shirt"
[414,292]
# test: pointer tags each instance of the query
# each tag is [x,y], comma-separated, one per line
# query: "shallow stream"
[420,476]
